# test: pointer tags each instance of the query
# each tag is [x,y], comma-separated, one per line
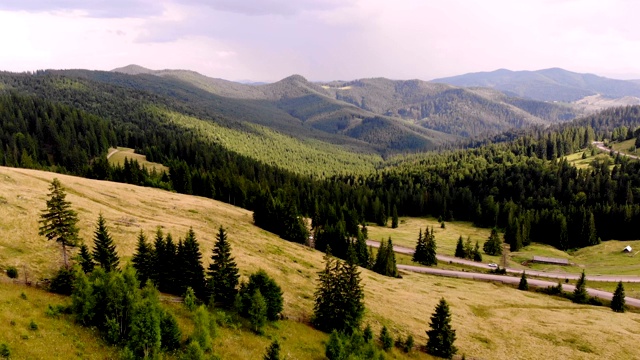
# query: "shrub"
[33,326]
[23,296]
[190,299]
[5,353]
[12,272]
[386,339]
[193,352]
[62,282]
[55,311]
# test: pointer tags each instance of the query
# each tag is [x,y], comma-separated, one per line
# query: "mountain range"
[553,84]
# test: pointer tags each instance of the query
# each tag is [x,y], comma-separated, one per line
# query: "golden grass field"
[117,156]
[492,321]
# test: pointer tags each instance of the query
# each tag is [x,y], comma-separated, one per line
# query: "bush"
[5,353]
[23,296]
[193,352]
[386,339]
[269,289]
[33,326]
[55,311]
[12,272]
[62,282]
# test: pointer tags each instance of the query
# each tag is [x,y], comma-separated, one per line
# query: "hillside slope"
[492,321]
[553,84]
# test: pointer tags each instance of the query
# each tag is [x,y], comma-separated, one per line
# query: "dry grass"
[626,147]
[121,153]
[492,321]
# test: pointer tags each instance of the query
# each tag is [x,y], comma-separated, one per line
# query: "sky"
[322,40]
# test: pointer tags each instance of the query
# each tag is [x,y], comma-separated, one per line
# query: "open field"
[576,158]
[626,147]
[492,321]
[117,156]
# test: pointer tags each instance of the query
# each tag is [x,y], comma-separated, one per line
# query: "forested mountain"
[464,112]
[372,109]
[553,84]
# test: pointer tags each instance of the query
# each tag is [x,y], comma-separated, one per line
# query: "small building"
[627,249]
[549,260]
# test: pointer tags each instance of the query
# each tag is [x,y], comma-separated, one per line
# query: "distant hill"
[403,115]
[553,84]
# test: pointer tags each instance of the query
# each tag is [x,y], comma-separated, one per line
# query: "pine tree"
[104,249]
[143,259]
[420,253]
[191,270]
[617,302]
[362,251]
[523,285]
[157,258]
[339,297]
[580,295]
[86,261]
[493,245]
[58,221]
[273,352]
[468,248]
[460,249]
[386,339]
[171,264]
[223,271]
[431,257]
[394,217]
[386,260]
[367,334]
[477,256]
[441,336]
[269,289]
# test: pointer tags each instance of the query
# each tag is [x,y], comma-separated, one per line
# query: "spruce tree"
[339,297]
[441,336]
[58,221]
[143,259]
[386,260]
[191,272]
[362,251]
[580,295]
[477,256]
[460,249]
[223,271]
[273,352]
[420,253]
[493,245]
[104,249]
[394,217]
[617,302]
[523,285]
[431,256]
[386,340]
[269,289]
[170,266]
[86,261]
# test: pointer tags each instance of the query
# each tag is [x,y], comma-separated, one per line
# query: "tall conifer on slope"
[386,260]
[431,257]
[617,303]
[223,271]
[441,336]
[159,246]
[143,259]
[58,221]
[420,253]
[104,249]
[191,272]
[460,249]
[86,261]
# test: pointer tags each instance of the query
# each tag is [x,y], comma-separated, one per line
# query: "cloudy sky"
[266,40]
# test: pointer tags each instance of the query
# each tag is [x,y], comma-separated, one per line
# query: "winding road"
[601,147]
[511,279]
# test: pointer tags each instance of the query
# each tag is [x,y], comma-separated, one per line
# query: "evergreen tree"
[617,302]
[362,251]
[394,217]
[386,260]
[270,290]
[523,285]
[468,248]
[58,221]
[493,245]
[143,259]
[580,295]
[170,265]
[273,352]
[431,257]
[460,249]
[441,336]
[367,334]
[191,270]
[223,271]
[104,249]
[477,256]
[257,312]
[339,297]
[158,255]
[386,339]
[86,261]
[420,253]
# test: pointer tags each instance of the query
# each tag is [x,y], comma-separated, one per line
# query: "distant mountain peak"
[133,69]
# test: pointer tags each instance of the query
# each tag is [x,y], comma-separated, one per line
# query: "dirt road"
[546,274]
[601,147]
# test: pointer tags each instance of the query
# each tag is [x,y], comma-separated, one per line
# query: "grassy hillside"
[492,321]
[118,156]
